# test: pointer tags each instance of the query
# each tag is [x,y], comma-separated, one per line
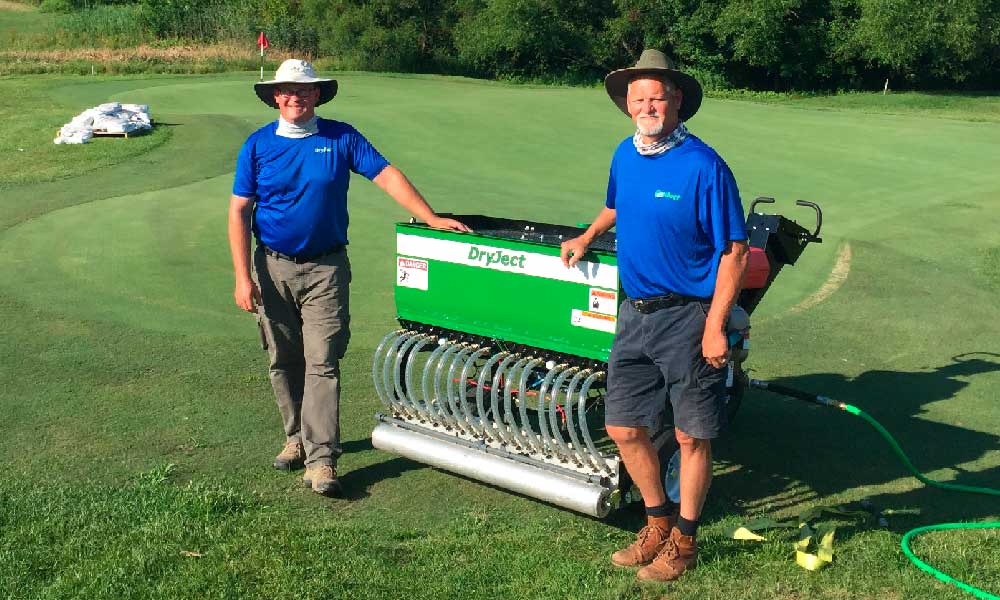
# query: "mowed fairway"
[137,425]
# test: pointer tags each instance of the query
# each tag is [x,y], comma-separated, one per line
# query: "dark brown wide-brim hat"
[294,70]
[654,62]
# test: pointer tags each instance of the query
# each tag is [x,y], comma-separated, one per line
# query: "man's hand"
[571,251]
[442,223]
[247,295]
[714,347]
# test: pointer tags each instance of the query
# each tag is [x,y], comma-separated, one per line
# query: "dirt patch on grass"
[171,54]
[836,279]
[15,6]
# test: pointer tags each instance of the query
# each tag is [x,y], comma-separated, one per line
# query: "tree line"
[775,45]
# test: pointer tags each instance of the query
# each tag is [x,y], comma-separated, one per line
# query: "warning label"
[411,273]
[593,320]
[603,301]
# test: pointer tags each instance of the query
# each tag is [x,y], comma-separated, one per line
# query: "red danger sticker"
[411,273]
[409,263]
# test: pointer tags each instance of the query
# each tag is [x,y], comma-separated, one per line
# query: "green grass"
[967,107]
[27,155]
[26,28]
[123,352]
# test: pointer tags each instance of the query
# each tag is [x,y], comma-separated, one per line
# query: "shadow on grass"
[352,446]
[782,453]
[358,482]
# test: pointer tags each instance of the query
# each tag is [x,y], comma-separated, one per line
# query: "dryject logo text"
[497,257]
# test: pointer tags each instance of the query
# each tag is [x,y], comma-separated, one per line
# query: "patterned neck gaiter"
[676,137]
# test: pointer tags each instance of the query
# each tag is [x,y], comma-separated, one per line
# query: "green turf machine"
[497,371]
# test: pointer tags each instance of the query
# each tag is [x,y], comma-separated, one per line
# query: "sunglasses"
[301,92]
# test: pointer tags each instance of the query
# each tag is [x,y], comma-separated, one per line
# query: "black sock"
[664,510]
[687,527]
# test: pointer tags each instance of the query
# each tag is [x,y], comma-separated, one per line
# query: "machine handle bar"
[819,215]
[760,200]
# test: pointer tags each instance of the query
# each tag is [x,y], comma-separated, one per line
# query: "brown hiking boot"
[322,479]
[679,554]
[647,544]
[291,458]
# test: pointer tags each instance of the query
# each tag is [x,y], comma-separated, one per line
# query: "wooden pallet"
[112,134]
[99,133]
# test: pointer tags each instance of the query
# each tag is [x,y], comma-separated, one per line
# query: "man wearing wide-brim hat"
[290,193]
[682,251]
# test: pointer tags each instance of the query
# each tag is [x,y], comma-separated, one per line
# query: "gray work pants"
[305,320]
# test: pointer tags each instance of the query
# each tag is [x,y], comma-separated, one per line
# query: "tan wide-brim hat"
[294,70]
[654,62]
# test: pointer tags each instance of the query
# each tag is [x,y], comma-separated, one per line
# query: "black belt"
[655,303]
[301,259]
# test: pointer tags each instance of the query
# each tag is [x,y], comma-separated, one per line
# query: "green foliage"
[926,41]
[58,6]
[385,35]
[63,6]
[215,20]
[681,28]
[789,44]
[533,38]
[107,25]
[775,45]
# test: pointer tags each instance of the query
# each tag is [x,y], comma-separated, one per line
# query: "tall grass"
[116,26]
[155,23]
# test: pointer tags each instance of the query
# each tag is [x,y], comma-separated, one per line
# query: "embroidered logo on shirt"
[323,150]
[662,194]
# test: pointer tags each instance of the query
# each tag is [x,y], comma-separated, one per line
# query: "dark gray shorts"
[658,356]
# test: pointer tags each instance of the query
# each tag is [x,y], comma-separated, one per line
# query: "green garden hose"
[905,542]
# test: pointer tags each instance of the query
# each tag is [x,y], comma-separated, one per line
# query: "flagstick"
[262,62]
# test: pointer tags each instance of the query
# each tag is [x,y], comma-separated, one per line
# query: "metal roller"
[579,495]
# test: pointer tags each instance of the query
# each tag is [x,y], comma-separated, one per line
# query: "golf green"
[126,352]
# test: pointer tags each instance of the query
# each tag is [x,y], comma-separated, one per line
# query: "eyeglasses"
[302,92]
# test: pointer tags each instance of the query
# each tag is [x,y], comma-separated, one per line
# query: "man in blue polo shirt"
[682,251]
[290,193]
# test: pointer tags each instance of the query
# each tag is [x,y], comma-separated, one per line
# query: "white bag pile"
[110,117]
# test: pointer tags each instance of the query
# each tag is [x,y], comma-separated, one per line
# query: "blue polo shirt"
[675,214]
[301,185]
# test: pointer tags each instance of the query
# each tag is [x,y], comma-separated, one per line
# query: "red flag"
[262,41]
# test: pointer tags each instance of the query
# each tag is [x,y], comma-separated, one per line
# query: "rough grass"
[212,58]
[123,354]
[15,6]
[27,154]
